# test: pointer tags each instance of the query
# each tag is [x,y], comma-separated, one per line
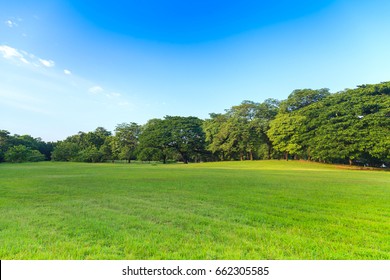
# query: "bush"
[36,156]
[22,153]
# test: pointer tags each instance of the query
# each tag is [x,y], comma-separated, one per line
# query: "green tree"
[285,132]
[5,140]
[300,98]
[292,128]
[156,135]
[126,140]
[21,153]
[65,151]
[96,138]
[242,131]
[89,154]
[216,134]
[181,135]
[185,135]
[266,112]
[353,126]
[107,149]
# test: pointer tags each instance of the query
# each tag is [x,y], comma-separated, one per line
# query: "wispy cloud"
[12,53]
[46,79]
[23,102]
[47,63]
[96,89]
[111,98]
[11,23]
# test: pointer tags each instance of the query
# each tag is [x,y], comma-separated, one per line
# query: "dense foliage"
[21,148]
[352,126]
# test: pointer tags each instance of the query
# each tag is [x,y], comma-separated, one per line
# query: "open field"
[230,210]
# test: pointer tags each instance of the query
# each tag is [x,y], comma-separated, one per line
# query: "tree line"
[347,127]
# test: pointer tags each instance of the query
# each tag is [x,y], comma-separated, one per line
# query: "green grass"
[230,210]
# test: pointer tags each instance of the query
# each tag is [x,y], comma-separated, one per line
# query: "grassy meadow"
[225,210]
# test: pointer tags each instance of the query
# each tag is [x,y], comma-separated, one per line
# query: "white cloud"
[95,89]
[67,72]
[11,23]
[12,53]
[47,63]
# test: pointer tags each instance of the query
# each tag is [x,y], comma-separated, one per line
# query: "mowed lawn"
[228,210]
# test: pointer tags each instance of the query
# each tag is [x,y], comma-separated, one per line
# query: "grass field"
[230,210]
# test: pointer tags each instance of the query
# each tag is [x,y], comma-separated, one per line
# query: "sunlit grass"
[230,210]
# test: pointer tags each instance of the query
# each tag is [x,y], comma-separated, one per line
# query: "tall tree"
[290,128]
[285,132]
[242,130]
[182,135]
[185,136]
[216,134]
[353,126]
[126,140]
[155,134]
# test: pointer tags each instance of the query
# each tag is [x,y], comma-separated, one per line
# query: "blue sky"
[69,66]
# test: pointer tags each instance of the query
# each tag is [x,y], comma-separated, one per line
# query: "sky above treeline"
[70,66]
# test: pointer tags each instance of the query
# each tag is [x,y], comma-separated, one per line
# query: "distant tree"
[5,140]
[85,147]
[32,143]
[96,138]
[106,150]
[242,131]
[216,131]
[65,151]
[36,156]
[90,154]
[285,131]
[126,140]
[156,135]
[352,126]
[149,154]
[244,135]
[266,112]
[300,98]
[20,153]
[182,135]
[290,131]
[185,136]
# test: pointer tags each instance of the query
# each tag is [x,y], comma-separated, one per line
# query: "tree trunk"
[286,156]
[184,157]
[269,151]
